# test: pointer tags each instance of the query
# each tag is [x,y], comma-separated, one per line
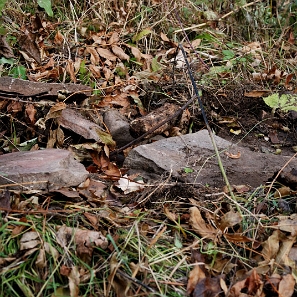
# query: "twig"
[208,128]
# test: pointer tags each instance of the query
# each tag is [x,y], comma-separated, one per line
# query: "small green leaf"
[155,65]
[228,54]
[140,35]
[7,61]
[47,6]
[177,242]
[18,72]
[284,102]
[2,5]
[188,170]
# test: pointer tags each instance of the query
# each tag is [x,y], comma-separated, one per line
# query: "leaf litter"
[96,236]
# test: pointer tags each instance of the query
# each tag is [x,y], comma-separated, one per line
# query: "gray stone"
[48,169]
[195,151]
[118,126]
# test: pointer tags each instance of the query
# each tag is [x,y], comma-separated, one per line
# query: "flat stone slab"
[49,169]
[195,152]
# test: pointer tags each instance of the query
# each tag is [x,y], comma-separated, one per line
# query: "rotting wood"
[13,87]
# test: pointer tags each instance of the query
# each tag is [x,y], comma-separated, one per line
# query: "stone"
[194,152]
[118,127]
[48,169]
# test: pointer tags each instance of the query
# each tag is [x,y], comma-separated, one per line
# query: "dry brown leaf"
[282,257]
[74,281]
[196,42]
[70,70]
[29,240]
[230,219]
[107,54]
[107,73]
[55,111]
[283,191]
[93,219]
[95,59]
[118,283]
[114,38]
[257,93]
[170,215]
[136,53]
[199,225]
[271,246]
[120,53]
[59,38]
[164,37]
[84,240]
[252,285]
[237,237]
[288,225]
[31,111]
[208,287]
[19,228]
[41,259]
[29,46]
[195,276]
[15,107]
[233,156]
[286,286]
[5,49]
[96,71]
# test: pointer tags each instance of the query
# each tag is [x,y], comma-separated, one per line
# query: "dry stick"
[176,114]
[209,129]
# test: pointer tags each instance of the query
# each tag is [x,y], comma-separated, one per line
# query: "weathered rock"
[118,126]
[195,151]
[48,169]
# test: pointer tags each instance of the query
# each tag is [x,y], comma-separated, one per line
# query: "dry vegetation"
[180,240]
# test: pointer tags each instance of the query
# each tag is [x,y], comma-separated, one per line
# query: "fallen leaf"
[199,225]
[128,186]
[95,59]
[59,38]
[84,240]
[55,111]
[31,112]
[271,246]
[195,276]
[288,225]
[208,287]
[256,93]
[29,240]
[230,219]
[251,285]
[74,281]
[107,54]
[233,156]
[5,49]
[119,52]
[286,286]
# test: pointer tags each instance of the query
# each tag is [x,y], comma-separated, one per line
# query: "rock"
[48,169]
[195,152]
[118,126]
